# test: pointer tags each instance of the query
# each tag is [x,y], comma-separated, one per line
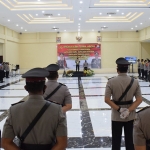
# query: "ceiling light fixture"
[65,30]
[131,28]
[38,0]
[81,2]
[55,29]
[78,24]
[43,11]
[100,13]
[80,10]
[78,29]
[8,20]
[109,15]
[58,14]
[117,10]
[79,18]
[122,13]
[36,14]
[21,27]
[25,30]
[17,25]
[92,29]
[141,23]
[136,26]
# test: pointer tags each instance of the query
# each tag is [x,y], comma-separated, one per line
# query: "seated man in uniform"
[141,131]
[62,95]
[49,132]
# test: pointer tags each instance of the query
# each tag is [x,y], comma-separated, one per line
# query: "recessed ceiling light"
[122,13]
[79,18]
[58,14]
[53,26]
[64,30]
[100,13]
[49,16]
[104,26]
[17,25]
[21,27]
[131,28]
[8,20]
[80,10]
[117,10]
[102,29]
[78,29]
[136,26]
[25,30]
[36,14]
[141,23]
[109,15]
[78,24]
[81,2]
[55,29]
[38,0]
[43,11]
[92,29]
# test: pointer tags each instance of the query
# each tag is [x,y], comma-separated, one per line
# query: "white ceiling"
[93,16]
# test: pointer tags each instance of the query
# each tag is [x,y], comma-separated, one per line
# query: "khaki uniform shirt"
[141,130]
[52,123]
[115,87]
[62,96]
[7,67]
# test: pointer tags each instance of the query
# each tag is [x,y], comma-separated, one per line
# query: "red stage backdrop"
[68,53]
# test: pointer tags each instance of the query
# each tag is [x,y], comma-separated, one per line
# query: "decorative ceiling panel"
[36,5]
[122,3]
[30,19]
[128,18]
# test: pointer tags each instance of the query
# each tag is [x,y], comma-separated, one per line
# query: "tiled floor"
[89,121]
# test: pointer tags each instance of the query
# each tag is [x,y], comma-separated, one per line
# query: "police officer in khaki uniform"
[62,96]
[49,133]
[123,112]
[141,131]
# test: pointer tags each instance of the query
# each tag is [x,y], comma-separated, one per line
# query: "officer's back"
[49,131]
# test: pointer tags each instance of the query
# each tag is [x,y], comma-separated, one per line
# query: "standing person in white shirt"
[85,65]
[77,64]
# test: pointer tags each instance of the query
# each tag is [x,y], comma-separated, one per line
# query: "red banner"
[68,53]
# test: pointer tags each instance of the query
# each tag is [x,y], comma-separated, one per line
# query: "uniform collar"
[52,80]
[122,74]
[36,97]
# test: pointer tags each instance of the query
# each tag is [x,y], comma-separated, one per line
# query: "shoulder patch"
[110,78]
[62,84]
[143,109]
[17,103]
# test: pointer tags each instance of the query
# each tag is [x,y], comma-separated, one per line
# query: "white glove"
[124,114]
[122,110]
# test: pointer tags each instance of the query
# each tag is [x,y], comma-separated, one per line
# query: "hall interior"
[28,32]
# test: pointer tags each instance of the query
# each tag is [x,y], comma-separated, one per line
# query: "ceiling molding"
[28,18]
[46,5]
[128,18]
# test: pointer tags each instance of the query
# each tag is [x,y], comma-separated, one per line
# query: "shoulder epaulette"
[143,109]
[110,78]
[17,103]
[62,84]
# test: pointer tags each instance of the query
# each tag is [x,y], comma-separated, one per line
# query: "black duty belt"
[123,102]
[36,146]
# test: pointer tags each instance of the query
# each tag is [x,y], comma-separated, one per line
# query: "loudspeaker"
[137,30]
[17,66]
